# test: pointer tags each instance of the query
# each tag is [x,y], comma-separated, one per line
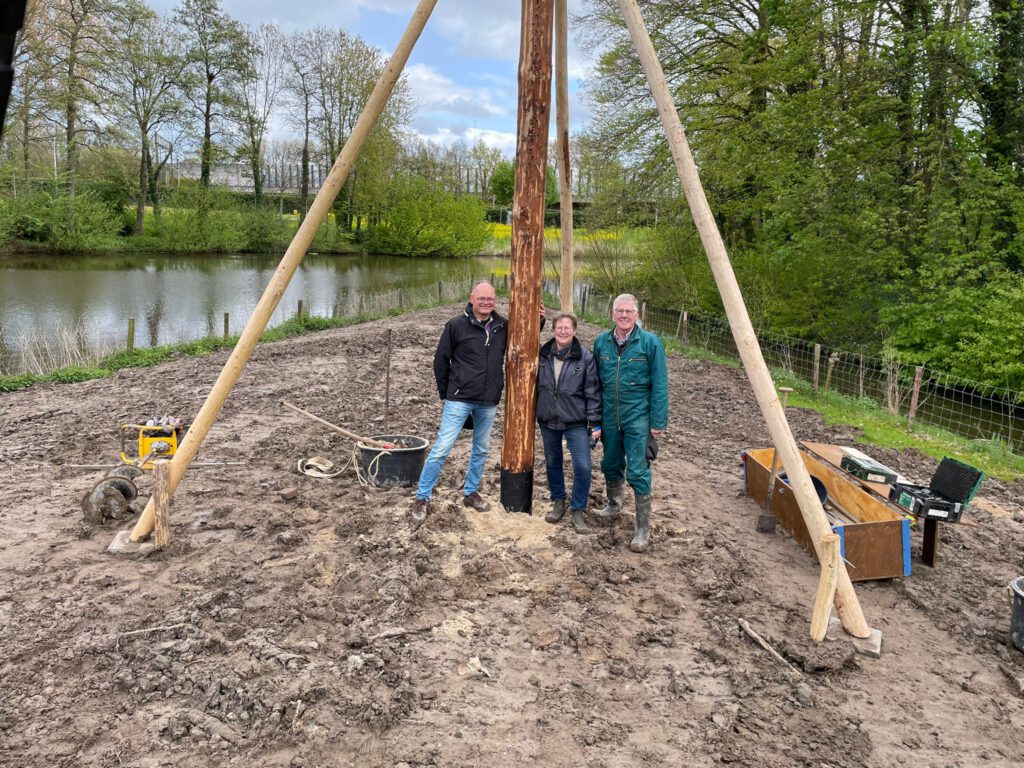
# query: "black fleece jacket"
[469,364]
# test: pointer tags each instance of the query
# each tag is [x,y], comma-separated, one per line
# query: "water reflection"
[175,298]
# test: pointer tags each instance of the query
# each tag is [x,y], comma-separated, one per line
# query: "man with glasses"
[470,374]
[634,385]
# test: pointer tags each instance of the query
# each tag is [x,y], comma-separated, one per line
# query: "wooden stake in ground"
[289,263]
[565,285]
[847,605]
[527,255]
[161,505]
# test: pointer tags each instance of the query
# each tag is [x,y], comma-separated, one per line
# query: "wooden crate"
[874,536]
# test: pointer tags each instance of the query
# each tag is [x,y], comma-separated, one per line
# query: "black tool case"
[951,488]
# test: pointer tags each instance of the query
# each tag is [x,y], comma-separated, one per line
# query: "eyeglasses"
[624,311]
[485,299]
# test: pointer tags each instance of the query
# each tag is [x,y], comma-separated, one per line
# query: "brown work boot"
[420,507]
[476,501]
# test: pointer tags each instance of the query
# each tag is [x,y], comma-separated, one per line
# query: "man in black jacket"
[469,369]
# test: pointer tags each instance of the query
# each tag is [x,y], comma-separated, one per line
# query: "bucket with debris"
[398,465]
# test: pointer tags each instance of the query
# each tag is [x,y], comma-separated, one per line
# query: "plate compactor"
[110,497]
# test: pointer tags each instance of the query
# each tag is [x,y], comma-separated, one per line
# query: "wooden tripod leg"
[826,586]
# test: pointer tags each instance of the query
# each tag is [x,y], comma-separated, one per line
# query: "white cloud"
[451,133]
[434,92]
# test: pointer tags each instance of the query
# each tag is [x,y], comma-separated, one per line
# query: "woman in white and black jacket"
[569,407]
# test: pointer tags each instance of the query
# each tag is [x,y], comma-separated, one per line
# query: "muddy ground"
[323,631]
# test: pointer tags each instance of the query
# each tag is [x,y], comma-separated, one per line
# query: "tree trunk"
[206,156]
[140,205]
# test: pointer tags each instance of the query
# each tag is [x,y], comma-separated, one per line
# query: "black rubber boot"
[557,511]
[578,523]
[616,490]
[642,536]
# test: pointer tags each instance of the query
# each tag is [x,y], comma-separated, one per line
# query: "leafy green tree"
[142,77]
[219,56]
[503,183]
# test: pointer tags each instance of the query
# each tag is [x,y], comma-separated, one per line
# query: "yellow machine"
[154,440]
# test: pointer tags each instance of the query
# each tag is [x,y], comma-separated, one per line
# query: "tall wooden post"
[289,262]
[565,286]
[527,255]
[847,605]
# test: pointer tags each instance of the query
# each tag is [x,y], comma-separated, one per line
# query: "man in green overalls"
[634,387]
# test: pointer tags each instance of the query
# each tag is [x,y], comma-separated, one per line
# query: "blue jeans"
[452,419]
[578,441]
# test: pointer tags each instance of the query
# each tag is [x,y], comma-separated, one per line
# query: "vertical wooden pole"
[527,255]
[227,326]
[817,366]
[643,314]
[130,346]
[387,381]
[860,377]
[747,345]
[914,396]
[161,504]
[565,288]
[298,312]
[290,262]
[686,329]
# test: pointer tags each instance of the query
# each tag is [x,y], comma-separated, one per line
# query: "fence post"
[914,395]
[299,313]
[227,327]
[643,314]
[440,300]
[583,301]
[131,335]
[608,312]
[817,366]
[860,378]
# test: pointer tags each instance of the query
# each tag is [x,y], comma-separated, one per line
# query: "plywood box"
[874,536]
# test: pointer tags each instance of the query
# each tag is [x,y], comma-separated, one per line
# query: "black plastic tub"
[398,466]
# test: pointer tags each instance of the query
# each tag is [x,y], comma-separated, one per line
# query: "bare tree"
[259,86]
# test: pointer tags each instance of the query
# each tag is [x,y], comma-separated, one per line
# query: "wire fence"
[917,393]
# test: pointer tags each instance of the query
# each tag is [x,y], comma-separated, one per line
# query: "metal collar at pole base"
[517,491]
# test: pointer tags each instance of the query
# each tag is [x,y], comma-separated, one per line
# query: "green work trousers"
[625,455]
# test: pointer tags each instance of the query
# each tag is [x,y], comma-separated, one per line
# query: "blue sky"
[462,72]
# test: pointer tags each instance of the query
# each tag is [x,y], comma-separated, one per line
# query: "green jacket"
[634,384]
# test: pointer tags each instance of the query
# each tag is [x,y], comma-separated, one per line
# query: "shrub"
[422,220]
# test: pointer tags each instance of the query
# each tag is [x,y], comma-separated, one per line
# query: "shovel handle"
[364,440]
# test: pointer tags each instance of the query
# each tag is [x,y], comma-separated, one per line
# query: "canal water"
[88,300]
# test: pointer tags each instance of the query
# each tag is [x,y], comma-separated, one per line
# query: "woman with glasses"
[569,407]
